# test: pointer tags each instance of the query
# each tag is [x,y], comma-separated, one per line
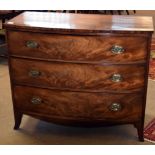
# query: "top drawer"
[96,49]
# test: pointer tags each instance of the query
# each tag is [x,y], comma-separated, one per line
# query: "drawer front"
[77,76]
[78,48]
[78,105]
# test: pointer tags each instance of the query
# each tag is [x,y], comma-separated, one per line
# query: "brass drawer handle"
[116,78]
[31,44]
[115,107]
[36,100]
[34,73]
[116,49]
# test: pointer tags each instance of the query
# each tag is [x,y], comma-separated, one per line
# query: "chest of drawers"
[81,70]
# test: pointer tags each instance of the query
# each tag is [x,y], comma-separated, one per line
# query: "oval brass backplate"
[116,77]
[34,73]
[116,49]
[36,100]
[115,107]
[31,44]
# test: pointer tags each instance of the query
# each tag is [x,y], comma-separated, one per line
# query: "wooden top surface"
[67,22]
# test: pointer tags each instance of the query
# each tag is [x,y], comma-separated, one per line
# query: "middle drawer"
[84,77]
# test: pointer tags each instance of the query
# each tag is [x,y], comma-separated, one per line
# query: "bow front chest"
[81,70]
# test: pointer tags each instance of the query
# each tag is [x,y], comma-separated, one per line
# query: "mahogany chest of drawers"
[81,70]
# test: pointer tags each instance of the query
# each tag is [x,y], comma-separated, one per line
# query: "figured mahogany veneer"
[83,77]
[68,23]
[92,49]
[81,70]
[79,105]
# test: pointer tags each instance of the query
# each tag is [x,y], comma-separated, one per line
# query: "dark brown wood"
[140,128]
[81,23]
[8,14]
[91,106]
[78,48]
[17,114]
[65,76]
[18,117]
[78,77]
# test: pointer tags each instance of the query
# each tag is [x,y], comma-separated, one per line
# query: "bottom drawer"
[78,105]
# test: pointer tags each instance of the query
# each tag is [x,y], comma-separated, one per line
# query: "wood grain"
[75,64]
[89,106]
[79,23]
[77,76]
[78,48]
